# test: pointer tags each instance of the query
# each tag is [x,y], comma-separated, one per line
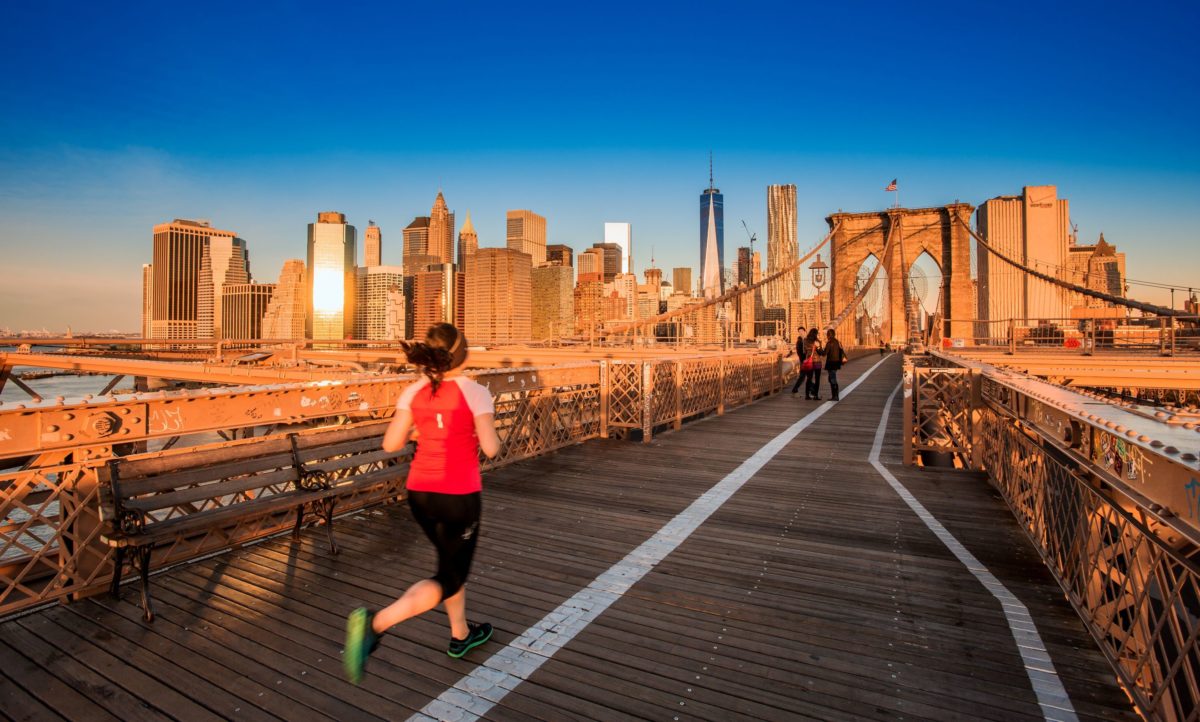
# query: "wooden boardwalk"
[813,592]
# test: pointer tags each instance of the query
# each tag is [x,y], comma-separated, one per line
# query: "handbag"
[812,363]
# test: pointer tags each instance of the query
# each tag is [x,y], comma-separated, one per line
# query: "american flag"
[891,186]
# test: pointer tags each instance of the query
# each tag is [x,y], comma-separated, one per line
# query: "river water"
[69,387]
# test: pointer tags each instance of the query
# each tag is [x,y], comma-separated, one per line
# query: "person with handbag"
[799,358]
[835,358]
[810,367]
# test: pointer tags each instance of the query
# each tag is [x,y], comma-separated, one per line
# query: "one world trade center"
[712,240]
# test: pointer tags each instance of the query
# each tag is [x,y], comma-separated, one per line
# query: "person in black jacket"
[835,357]
[799,357]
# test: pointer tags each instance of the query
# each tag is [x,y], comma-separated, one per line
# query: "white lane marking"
[476,693]
[1051,695]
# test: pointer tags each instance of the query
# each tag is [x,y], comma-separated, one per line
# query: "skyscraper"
[498,296]
[743,266]
[285,316]
[552,302]
[782,247]
[416,238]
[591,265]
[622,235]
[437,298]
[560,254]
[147,298]
[1032,229]
[224,260]
[468,242]
[178,253]
[1098,267]
[681,279]
[441,231]
[712,240]
[243,306]
[380,289]
[373,245]
[613,262]
[526,232]
[589,300]
[331,277]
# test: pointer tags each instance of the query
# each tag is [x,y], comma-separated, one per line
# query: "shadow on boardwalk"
[813,592]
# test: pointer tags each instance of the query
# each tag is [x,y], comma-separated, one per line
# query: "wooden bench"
[151,502]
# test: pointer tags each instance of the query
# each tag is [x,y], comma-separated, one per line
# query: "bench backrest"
[219,477]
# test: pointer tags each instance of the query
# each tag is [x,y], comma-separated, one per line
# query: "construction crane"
[753,237]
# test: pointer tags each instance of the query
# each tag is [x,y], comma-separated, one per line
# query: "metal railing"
[1165,336]
[50,543]
[1109,499]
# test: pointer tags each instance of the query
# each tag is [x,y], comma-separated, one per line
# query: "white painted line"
[1051,695]
[476,693]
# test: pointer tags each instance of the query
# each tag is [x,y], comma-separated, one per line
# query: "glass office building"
[331,277]
[712,242]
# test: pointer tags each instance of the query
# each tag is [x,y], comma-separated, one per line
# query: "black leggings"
[451,521]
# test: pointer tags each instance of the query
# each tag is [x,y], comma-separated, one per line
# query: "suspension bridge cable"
[1107,297]
[729,295]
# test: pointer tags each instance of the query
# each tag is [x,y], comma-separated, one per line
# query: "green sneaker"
[361,640]
[479,634]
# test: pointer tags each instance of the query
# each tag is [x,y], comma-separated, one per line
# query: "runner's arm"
[399,431]
[489,440]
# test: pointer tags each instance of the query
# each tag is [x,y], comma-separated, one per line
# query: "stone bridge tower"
[933,230]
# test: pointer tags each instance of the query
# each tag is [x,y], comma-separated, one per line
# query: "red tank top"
[447,458]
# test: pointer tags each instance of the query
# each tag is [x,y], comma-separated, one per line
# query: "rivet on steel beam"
[1188,456]
[52,428]
[68,437]
[1143,438]
[1131,433]
[1171,450]
[1156,444]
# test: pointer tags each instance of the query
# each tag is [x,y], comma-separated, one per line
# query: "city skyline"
[85,184]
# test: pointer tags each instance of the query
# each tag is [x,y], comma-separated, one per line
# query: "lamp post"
[818,268]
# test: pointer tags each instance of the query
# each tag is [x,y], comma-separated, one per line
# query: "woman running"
[454,419]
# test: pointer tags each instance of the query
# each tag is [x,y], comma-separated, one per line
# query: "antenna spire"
[710,172]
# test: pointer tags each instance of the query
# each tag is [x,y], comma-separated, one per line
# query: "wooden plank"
[59,661]
[199,474]
[201,629]
[54,697]
[235,670]
[165,462]
[18,704]
[218,489]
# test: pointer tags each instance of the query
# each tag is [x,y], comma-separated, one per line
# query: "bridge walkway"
[812,592]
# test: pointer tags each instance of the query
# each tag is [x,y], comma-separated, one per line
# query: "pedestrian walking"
[799,358]
[835,358]
[454,418]
[810,369]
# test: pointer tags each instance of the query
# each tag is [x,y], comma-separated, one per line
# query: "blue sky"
[258,115]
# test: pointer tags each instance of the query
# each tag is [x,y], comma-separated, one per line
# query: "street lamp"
[818,268]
